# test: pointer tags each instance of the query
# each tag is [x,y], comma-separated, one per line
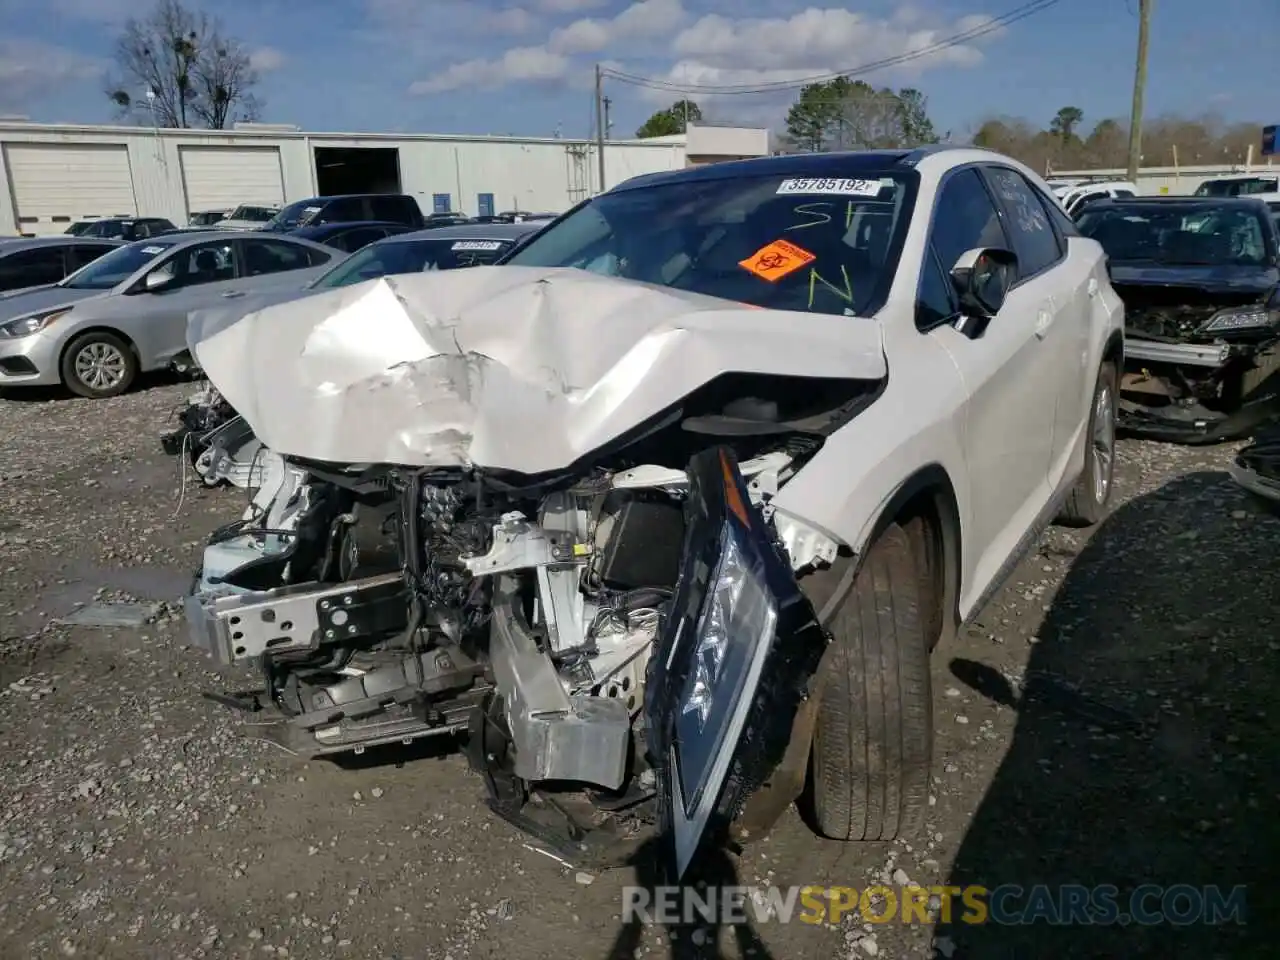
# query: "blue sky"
[525,66]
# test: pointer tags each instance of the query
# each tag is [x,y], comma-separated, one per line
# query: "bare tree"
[195,75]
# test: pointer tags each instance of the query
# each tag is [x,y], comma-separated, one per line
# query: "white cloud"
[518,65]
[30,70]
[267,59]
[644,20]
[728,50]
[813,40]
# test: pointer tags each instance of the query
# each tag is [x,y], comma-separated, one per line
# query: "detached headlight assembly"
[735,630]
[1241,318]
[26,326]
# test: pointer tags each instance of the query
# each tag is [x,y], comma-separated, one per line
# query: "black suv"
[356,207]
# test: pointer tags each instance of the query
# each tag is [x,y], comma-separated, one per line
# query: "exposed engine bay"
[384,604]
[1188,375]
[218,442]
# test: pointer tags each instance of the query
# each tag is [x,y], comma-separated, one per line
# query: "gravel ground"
[1110,719]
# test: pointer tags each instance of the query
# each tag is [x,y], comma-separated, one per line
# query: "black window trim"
[1005,216]
[309,253]
[931,255]
[975,166]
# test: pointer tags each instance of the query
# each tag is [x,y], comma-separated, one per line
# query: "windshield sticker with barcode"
[831,187]
[487,245]
[152,251]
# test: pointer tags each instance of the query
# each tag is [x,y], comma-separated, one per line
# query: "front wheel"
[99,364]
[1088,500]
[873,743]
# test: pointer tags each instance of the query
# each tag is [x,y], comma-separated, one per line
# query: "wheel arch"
[927,503]
[98,328]
[1113,350]
[928,499]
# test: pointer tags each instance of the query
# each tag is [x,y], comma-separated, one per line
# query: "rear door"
[731,667]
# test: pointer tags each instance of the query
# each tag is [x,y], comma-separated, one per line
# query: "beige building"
[51,176]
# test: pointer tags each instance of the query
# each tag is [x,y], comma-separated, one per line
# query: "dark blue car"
[350,237]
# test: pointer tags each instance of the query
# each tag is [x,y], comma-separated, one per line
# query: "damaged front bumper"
[1246,375]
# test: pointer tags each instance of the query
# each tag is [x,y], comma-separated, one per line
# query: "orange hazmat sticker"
[776,260]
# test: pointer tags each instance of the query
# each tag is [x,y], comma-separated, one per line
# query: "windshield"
[256,214]
[412,256]
[786,243]
[295,215]
[1189,234]
[110,269]
[1238,187]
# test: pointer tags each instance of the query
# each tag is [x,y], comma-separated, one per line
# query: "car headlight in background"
[1241,318]
[734,634]
[26,326]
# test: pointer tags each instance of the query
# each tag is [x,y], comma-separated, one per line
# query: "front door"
[199,273]
[1065,274]
[1009,373]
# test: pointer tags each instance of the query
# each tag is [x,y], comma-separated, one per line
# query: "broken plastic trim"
[754,736]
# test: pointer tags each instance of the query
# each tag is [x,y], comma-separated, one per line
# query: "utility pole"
[600,124]
[1139,89]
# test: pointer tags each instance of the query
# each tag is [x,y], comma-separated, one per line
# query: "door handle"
[1093,286]
[233,293]
[1043,319]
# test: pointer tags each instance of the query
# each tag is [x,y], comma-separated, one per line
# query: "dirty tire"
[117,354]
[873,742]
[1084,506]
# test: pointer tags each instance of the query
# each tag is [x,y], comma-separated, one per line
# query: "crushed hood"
[205,322]
[514,368]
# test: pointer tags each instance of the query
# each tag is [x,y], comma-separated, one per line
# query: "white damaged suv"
[667,512]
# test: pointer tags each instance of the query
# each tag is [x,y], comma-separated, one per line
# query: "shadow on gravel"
[689,941]
[1147,748]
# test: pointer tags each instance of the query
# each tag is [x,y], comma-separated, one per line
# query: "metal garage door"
[218,178]
[56,183]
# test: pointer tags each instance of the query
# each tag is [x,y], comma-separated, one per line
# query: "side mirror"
[158,279]
[982,278]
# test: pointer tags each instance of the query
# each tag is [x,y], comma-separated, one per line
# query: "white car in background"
[1077,195]
[627,472]
[247,216]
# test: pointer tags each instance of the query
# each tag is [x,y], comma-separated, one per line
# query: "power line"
[1013,16]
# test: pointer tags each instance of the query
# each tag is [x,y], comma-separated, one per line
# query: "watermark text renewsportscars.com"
[1064,905]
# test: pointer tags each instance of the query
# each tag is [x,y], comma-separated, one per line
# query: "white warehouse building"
[54,175]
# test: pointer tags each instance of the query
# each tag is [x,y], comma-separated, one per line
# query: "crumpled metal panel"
[517,368]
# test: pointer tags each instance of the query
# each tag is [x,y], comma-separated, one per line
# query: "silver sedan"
[126,313]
